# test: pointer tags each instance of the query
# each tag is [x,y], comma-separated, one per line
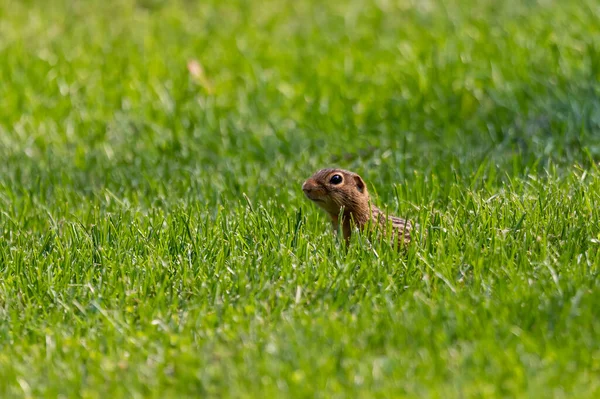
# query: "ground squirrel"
[344,194]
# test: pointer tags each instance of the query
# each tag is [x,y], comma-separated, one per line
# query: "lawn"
[155,240]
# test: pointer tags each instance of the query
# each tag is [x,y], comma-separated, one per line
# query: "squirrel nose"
[307,186]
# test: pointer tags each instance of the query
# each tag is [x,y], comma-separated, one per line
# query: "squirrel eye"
[336,179]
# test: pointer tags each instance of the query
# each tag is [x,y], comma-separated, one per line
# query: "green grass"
[155,242]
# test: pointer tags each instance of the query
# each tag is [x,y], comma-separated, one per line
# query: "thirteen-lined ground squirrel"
[344,194]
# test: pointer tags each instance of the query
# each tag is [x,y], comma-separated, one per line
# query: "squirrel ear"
[360,184]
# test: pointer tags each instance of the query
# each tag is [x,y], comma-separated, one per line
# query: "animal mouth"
[313,196]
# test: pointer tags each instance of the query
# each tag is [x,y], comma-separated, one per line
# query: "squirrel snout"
[312,190]
[308,186]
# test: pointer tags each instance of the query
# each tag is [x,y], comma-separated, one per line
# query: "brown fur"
[350,200]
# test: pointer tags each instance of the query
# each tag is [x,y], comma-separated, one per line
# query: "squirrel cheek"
[337,198]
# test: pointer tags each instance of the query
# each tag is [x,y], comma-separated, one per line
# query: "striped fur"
[400,228]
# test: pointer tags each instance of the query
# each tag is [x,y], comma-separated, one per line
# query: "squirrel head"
[337,189]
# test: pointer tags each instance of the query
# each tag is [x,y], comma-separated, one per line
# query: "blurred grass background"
[154,240]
